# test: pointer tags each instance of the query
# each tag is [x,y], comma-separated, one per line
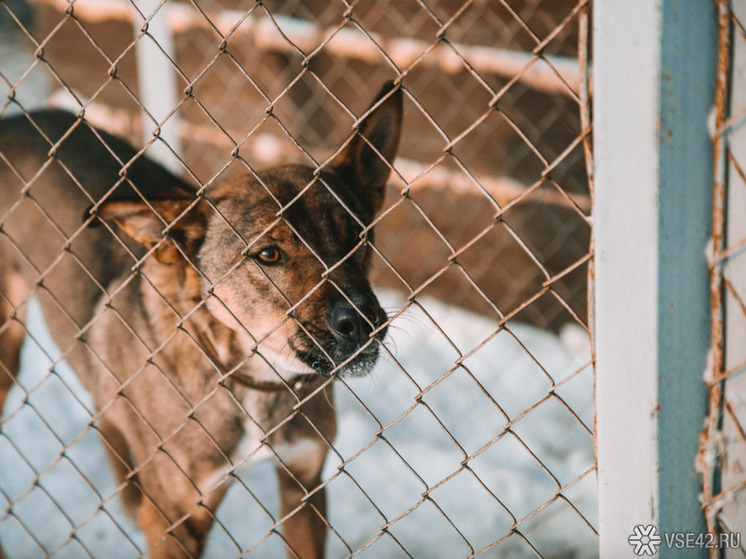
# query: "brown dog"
[205,324]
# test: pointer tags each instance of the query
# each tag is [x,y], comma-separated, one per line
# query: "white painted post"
[158,87]
[653,82]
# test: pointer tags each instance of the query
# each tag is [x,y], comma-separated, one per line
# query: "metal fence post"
[654,76]
[158,90]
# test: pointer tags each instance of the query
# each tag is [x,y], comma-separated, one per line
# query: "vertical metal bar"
[709,456]
[653,88]
[157,83]
[733,269]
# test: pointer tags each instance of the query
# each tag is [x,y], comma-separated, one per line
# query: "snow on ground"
[19,69]
[54,474]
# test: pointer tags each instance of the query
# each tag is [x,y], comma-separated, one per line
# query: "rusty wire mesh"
[475,436]
[723,445]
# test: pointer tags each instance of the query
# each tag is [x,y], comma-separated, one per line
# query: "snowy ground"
[47,439]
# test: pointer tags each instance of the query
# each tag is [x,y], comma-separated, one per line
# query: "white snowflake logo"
[645,540]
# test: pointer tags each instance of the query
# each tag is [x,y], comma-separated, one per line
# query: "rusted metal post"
[654,81]
[723,452]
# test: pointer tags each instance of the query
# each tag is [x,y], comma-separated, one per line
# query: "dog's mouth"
[339,356]
[356,364]
[345,341]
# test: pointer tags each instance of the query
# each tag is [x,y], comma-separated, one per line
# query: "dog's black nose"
[349,324]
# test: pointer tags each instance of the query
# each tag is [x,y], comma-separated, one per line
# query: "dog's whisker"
[391,348]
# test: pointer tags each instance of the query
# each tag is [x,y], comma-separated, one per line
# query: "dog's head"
[282,256]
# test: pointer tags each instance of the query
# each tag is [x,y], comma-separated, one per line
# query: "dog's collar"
[297,382]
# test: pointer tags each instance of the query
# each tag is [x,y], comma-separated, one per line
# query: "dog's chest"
[262,415]
[261,440]
[256,423]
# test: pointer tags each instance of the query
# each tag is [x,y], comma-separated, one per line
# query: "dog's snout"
[348,323]
[353,324]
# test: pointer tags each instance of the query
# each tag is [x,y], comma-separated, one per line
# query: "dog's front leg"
[303,501]
[174,515]
[166,541]
[177,538]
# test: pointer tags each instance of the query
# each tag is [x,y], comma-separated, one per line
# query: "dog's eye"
[269,255]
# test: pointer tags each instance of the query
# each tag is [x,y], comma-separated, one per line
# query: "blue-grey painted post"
[654,64]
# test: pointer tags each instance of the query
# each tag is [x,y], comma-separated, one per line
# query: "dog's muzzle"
[351,338]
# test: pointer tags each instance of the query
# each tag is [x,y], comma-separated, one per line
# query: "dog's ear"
[366,160]
[146,222]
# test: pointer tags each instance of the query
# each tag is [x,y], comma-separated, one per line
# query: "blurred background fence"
[479,429]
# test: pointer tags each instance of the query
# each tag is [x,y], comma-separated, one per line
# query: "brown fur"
[242,302]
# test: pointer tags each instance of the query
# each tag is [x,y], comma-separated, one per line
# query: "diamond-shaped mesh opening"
[176,407]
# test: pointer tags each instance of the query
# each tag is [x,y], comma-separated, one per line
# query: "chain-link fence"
[723,444]
[474,433]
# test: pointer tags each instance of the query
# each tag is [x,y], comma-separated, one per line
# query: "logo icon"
[645,540]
